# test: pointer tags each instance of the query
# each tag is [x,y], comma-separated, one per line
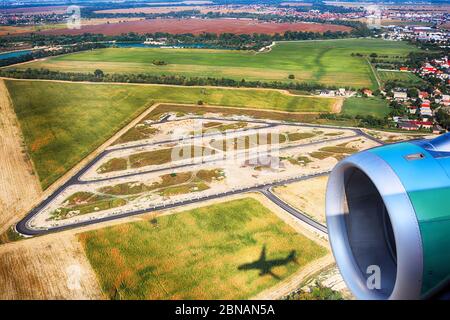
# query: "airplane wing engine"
[388,217]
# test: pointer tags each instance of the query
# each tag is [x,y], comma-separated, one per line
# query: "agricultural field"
[198,26]
[206,253]
[390,22]
[36,28]
[326,62]
[405,79]
[41,268]
[64,122]
[13,30]
[373,106]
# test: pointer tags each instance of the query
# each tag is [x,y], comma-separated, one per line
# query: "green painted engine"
[388,218]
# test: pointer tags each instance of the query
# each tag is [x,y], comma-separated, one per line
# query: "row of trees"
[368,121]
[39,54]
[100,76]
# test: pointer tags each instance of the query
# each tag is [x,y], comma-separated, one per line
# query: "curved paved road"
[23,228]
[296,213]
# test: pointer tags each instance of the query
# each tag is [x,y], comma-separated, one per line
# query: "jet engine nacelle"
[388,217]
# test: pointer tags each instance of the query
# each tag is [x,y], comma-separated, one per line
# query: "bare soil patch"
[51,267]
[19,186]
[308,196]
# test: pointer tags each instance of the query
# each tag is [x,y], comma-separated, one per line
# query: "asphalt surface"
[23,228]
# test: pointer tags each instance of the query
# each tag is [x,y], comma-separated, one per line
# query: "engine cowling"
[388,215]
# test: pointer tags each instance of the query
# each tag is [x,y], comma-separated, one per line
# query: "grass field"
[406,79]
[326,62]
[64,122]
[197,254]
[366,106]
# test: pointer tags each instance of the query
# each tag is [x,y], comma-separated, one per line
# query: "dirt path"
[375,73]
[19,187]
[50,267]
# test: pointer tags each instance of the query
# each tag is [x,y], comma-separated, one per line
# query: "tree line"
[39,54]
[100,76]
[366,121]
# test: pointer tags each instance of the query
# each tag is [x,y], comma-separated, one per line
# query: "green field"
[198,254]
[366,106]
[326,62]
[64,122]
[406,79]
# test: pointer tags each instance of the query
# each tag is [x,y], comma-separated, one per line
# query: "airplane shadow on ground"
[265,266]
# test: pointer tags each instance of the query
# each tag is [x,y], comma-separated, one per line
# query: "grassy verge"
[10,235]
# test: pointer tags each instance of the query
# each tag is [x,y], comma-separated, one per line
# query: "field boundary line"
[375,73]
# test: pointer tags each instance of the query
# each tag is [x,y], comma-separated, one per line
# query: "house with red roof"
[425,104]
[423,95]
[422,124]
[407,125]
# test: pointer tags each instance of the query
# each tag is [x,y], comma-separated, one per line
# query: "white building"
[400,95]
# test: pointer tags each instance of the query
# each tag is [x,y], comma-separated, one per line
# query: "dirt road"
[19,187]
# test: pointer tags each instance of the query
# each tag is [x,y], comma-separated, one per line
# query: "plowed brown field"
[198,26]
